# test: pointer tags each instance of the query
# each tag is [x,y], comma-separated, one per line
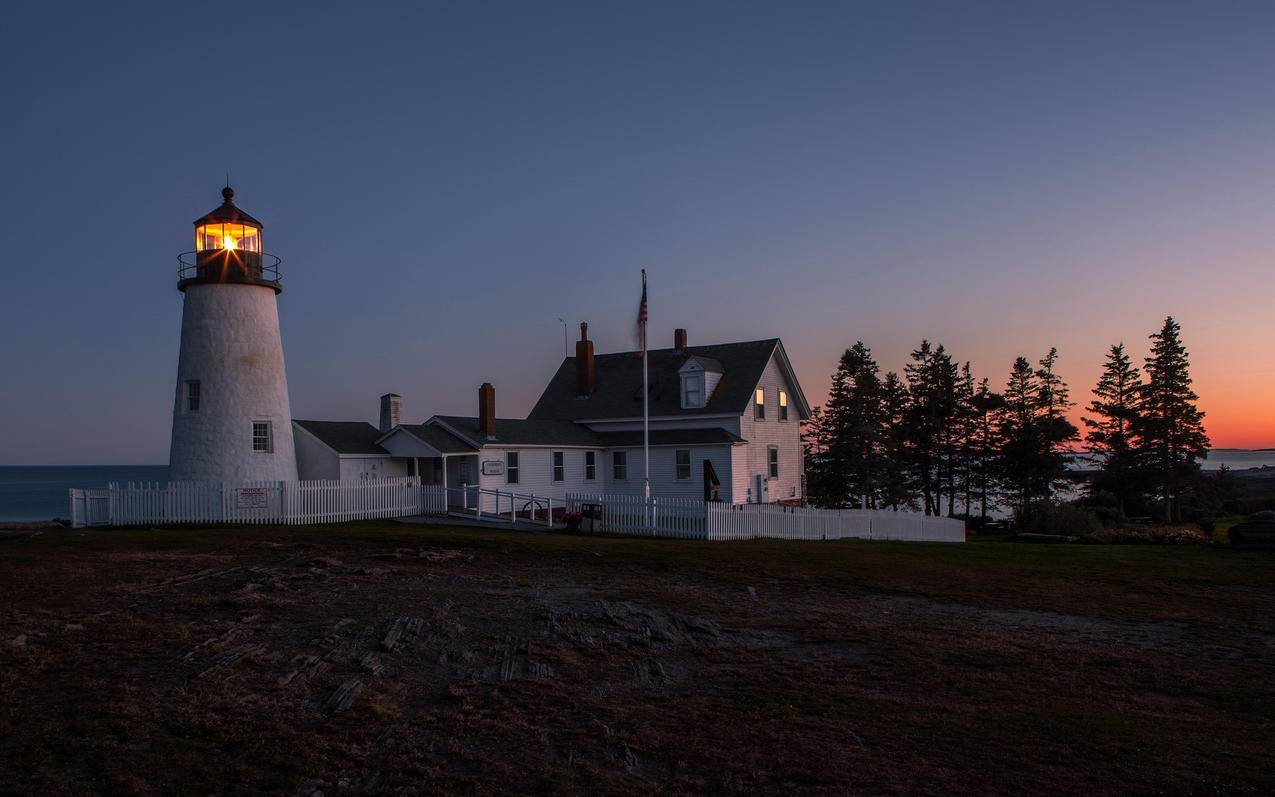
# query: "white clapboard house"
[724,419]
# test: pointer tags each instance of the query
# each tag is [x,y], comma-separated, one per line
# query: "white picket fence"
[694,519]
[280,502]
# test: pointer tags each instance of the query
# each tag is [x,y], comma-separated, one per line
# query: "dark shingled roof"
[672,437]
[618,393]
[437,438]
[531,432]
[346,437]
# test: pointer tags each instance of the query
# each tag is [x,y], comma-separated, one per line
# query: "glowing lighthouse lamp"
[231,418]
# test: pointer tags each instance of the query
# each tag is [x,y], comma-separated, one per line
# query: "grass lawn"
[373,658]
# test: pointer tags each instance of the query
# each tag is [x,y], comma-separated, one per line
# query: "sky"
[445,180]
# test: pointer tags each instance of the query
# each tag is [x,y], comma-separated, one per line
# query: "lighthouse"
[231,418]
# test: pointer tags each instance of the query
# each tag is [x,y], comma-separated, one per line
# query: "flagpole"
[646,409]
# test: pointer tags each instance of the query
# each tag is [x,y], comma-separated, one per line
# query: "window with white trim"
[772,462]
[511,467]
[692,391]
[559,466]
[620,466]
[590,466]
[682,464]
[783,405]
[759,404]
[262,440]
[192,396]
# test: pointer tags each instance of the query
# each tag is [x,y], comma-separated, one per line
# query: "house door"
[761,489]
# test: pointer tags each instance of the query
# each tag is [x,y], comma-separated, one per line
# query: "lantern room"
[228,249]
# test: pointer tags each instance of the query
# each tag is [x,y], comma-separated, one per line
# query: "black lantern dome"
[228,249]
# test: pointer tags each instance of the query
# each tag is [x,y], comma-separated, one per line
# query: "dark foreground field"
[242,660]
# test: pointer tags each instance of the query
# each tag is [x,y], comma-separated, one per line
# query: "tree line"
[940,440]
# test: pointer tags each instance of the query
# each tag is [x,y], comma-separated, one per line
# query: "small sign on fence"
[250,498]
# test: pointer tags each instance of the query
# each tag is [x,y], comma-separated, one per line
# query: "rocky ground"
[384,659]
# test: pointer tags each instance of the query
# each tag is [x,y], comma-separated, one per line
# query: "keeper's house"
[725,424]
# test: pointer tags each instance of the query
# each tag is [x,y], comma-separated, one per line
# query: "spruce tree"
[1169,436]
[984,443]
[895,486]
[852,428]
[1057,430]
[1112,414]
[1019,436]
[1034,433]
[932,392]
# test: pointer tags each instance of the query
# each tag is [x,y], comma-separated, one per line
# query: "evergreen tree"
[931,380]
[1019,436]
[895,489]
[1034,433]
[850,433]
[1057,431]
[964,431]
[1113,411]
[821,483]
[1169,436]
[984,443]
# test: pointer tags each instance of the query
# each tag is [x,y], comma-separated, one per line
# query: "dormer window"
[693,391]
[699,376]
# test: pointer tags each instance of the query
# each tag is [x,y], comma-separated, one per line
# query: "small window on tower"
[783,405]
[261,440]
[192,396]
[759,404]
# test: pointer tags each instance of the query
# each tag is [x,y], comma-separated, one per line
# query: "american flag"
[641,316]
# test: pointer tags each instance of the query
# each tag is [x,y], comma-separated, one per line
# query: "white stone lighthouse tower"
[231,419]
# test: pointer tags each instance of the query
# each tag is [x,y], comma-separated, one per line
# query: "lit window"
[772,461]
[210,237]
[759,404]
[192,396]
[620,466]
[682,464]
[559,469]
[511,467]
[590,466]
[783,405]
[261,441]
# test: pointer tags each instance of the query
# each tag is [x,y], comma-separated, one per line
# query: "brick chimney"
[487,410]
[389,411]
[679,339]
[586,377]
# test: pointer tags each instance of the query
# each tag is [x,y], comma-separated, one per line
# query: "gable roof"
[345,437]
[515,431]
[706,363]
[618,391]
[437,438]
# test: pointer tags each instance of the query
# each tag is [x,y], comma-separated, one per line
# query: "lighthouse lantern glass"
[211,237]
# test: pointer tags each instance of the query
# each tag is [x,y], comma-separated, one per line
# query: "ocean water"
[1233,458]
[41,492]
